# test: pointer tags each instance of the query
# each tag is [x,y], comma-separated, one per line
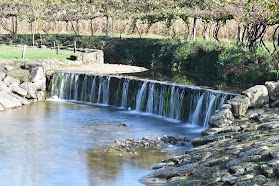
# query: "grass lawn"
[14,53]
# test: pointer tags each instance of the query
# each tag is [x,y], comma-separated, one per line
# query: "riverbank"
[24,83]
[244,154]
[240,148]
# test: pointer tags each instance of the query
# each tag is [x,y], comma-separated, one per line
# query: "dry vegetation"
[116,27]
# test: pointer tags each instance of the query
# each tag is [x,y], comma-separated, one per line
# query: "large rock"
[18,90]
[273,89]
[258,95]
[41,84]
[41,95]
[239,105]
[4,88]
[2,75]
[21,99]
[9,101]
[46,64]
[30,88]
[8,67]
[223,117]
[36,74]
[11,80]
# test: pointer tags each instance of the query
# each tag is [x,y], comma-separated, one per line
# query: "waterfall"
[125,93]
[190,104]
[149,107]
[140,97]
[92,94]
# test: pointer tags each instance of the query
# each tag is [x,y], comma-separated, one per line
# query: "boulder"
[30,88]
[223,117]
[9,101]
[273,89]
[41,95]
[18,90]
[254,113]
[258,95]
[41,84]
[36,74]
[46,64]
[2,76]
[239,105]
[8,67]
[4,88]
[11,80]
[21,99]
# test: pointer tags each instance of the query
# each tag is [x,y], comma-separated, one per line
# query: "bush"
[239,65]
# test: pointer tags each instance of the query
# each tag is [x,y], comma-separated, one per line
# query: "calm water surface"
[60,143]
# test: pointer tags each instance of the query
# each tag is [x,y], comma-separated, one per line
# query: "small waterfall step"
[190,104]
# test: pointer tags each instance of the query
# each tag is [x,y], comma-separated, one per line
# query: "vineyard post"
[23,51]
[57,51]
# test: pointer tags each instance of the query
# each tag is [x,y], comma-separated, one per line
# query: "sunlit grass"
[15,53]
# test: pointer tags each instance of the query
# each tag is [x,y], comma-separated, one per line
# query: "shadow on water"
[186,78]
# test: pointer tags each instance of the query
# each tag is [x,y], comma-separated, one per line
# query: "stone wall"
[96,56]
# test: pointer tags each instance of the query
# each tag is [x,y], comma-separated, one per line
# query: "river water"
[60,143]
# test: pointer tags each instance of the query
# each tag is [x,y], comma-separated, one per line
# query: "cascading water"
[191,104]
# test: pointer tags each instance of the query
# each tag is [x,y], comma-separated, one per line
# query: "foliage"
[238,65]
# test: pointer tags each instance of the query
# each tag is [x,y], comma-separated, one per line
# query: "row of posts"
[54,46]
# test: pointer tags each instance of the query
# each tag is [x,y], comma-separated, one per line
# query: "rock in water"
[9,101]
[223,117]
[41,95]
[122,125]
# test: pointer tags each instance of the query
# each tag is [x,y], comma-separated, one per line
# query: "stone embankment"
[14,92]
[240,148]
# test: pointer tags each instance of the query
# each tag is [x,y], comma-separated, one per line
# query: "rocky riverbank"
[240,148]
[16,89]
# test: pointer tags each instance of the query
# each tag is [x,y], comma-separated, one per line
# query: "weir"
[190,104]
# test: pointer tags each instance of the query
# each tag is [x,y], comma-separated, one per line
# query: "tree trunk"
[91,26]
[194,29]
[33,34]
[13,27]
[239,34]
[16,26]
[107,29]
[277,68]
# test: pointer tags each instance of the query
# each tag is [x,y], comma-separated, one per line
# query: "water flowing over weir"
[190,104]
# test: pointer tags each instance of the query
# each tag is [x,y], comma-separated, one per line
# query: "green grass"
[15,53]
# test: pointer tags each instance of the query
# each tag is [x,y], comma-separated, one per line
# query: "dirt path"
[104,69]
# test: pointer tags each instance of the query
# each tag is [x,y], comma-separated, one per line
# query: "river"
[60,143]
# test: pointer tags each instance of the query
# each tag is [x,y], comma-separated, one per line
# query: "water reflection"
[59,143]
